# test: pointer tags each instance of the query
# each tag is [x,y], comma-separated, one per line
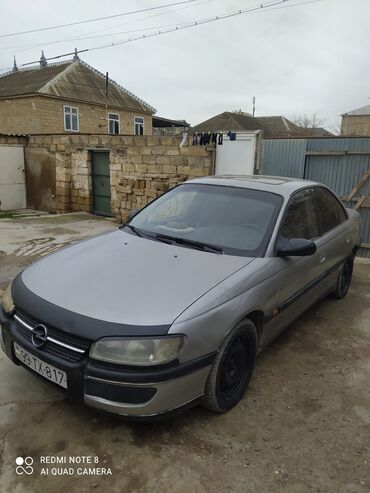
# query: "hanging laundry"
[196,139]
[184,139]
[231,135]
[220,139]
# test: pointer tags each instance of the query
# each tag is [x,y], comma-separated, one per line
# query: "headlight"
[137,352]
[7,300]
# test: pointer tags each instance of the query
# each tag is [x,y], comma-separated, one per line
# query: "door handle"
[322,258]
[348,238]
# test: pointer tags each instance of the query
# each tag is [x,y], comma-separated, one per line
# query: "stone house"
[69,97]
[88,143]
[356,123]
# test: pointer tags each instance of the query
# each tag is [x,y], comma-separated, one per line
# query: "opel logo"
[39,335]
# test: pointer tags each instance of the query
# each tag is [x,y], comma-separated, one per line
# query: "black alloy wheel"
[344,279]
[232,368]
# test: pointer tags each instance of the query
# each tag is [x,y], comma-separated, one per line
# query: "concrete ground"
[303,426]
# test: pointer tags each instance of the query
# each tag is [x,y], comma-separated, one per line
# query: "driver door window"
[300,220]
[330,211]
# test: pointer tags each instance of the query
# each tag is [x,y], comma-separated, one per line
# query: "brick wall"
[141,168]
[43,115]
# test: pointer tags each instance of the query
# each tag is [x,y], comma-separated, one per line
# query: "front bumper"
[139,393]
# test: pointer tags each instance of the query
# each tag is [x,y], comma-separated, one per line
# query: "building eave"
[80,101]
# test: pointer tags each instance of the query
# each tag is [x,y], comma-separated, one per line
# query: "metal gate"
[101,183]
[341,163]
[239,156]
[12,178]
[348,173]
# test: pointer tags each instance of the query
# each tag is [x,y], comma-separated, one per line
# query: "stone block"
[127,167]
[162,160]
[166,140]
[169,168]
[173,151]
[138,159]
[196,161]
[132,151]
[63,185]
[159,150]
[195,172]
[193,151]
[63,199]
[149,159]
[145,150]
[140,168]
[155,169]
[152,140]
[115,166]
[184,170]
[177,160]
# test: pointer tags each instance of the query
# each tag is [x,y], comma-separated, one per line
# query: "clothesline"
[204,138]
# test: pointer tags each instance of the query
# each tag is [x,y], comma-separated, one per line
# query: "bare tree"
[308,121]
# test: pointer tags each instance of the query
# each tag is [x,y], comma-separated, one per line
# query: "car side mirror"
[132,213]
[295,247]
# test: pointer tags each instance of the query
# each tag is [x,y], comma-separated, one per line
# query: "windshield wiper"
[172,239]
[133,229]
[190,243]
[140,233]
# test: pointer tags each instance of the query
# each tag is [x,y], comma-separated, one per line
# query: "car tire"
[232,369]
[343,280]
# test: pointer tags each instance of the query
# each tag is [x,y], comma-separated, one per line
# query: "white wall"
[12,178]
[237,157]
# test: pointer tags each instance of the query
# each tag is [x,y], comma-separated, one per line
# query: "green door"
[101,183]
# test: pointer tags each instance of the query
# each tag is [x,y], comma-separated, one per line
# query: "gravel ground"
[303,426]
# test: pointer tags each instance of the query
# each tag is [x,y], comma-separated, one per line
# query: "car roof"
[275,184]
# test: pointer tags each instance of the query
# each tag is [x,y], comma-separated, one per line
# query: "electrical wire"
[82,37]
[95,20]
[274,5]
[258,8]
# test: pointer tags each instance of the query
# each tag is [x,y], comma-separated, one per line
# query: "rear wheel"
[344,280]
[232,368]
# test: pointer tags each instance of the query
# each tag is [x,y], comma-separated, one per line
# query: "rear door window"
[300,220]
[329,210]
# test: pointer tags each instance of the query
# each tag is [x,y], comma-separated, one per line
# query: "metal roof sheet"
[364,111]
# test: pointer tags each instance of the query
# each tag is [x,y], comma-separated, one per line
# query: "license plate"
[49,372]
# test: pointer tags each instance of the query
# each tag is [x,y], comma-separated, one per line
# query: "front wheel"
[344,280]
[232,369]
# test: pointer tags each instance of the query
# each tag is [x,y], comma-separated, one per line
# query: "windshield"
[237,221]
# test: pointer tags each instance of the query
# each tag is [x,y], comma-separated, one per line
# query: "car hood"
[126,279]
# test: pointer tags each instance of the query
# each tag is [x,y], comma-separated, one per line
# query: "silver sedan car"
[172,308]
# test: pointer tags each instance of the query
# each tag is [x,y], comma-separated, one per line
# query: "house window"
[71,122]
[139,125]
[113,123]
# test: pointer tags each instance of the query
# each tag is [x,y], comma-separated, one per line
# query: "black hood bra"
[75,323]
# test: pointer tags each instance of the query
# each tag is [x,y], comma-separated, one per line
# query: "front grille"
[61,344]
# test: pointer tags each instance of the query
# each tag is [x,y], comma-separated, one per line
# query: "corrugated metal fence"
[343,164]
